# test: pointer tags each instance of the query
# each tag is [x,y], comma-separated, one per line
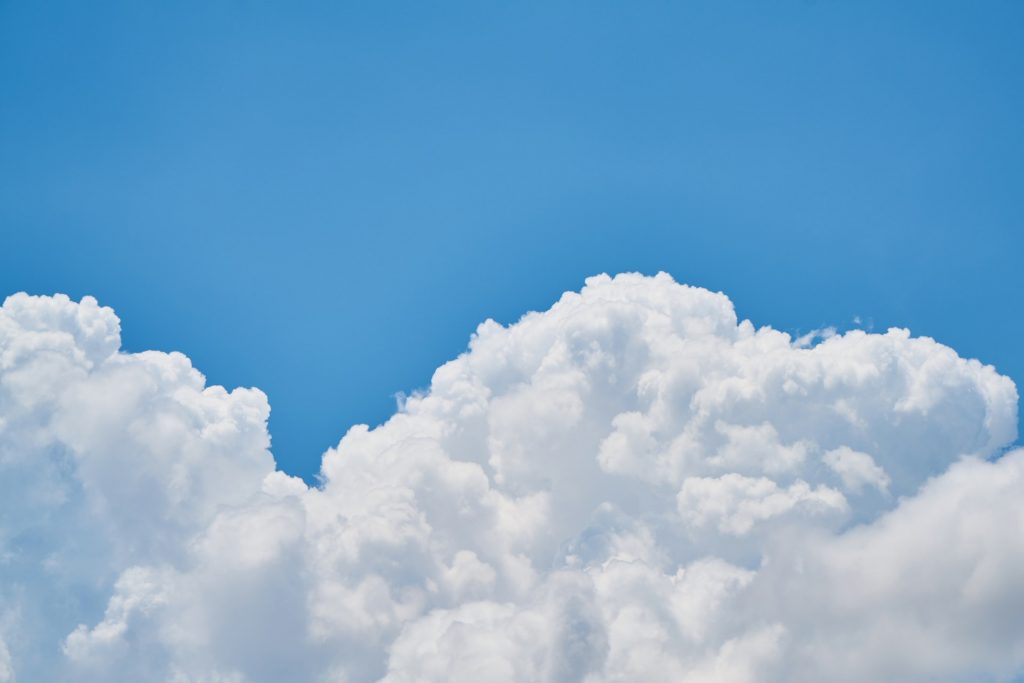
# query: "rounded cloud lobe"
[632,485]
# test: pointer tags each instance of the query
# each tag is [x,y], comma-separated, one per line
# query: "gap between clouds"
[632,485]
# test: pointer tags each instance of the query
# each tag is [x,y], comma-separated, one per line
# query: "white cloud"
[856,469]
[735,503]
[633,485]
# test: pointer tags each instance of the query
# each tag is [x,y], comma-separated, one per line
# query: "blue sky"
[324,199]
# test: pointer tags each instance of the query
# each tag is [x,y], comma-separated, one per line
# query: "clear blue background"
[324,199]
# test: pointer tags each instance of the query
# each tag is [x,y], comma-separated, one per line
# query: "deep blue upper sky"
[324,199]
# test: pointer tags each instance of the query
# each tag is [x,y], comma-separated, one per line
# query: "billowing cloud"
[632,485]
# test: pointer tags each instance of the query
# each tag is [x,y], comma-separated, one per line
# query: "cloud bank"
[633,485]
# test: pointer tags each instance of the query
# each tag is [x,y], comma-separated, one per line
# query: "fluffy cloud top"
[633,485]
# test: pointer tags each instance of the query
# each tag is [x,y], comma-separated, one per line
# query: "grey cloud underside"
[632,485]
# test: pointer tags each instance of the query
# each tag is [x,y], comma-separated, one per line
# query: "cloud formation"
[632,485]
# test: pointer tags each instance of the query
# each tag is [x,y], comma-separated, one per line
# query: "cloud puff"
[632,485]
[856,469]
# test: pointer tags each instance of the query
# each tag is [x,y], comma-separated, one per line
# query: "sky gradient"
[325,202]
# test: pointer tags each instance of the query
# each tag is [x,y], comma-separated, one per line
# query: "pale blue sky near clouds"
[325,199]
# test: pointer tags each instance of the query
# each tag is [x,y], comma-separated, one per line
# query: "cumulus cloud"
[856,469]
[735,503]
[632,485]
